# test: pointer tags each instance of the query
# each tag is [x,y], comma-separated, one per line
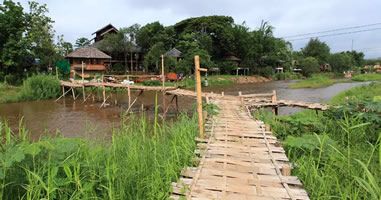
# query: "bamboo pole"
[83,84]
[56,72]
[273,100]
[199,94]
[163,87]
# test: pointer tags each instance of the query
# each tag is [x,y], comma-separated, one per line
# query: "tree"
[357,58]
[13,46]
[317,49]
[130,34]
[62,47]
[151,34]
[309,66]
[219,28]
[40,34]
[81,42]
[153,56]
[340,62]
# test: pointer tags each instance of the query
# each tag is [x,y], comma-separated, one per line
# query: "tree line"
[28,45]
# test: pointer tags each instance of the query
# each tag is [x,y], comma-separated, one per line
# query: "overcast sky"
[80,18]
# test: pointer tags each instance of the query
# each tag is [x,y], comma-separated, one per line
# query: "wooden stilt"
[129,95]
[63,94]
[199,94]
[73,92]
[177,103]
[273,100]
[83,84]
[286,170]
[222,93]
[129,107]
[104,94]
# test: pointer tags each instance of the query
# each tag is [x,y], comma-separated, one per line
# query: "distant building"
[175,53]
[93,61]
[100,34]
[134,59]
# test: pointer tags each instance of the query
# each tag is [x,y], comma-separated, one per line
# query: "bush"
[227,67]
[152,83]
[287,76]
[40,87]
[266,71]
[309,66]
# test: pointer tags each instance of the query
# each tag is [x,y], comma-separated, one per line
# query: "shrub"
[152,83]
[227,67]
[266,71]
[40,87]
[309,66]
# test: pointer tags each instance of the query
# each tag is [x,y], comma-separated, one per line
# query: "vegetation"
[8,93]
[369,92]
[336,154]
[309,65]
[40,87]
[139,161]
[367,77]
[318,81]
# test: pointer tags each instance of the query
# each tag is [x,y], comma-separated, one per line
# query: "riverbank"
[336,153]
[328,79]
[140,161]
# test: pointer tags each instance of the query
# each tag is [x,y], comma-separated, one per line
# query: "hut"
[92,60]
[174,53]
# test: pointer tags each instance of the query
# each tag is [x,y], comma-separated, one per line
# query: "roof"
[108,26]
[232,58]
[174,53]
[88,52]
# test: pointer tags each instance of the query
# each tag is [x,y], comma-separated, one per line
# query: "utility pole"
[352,45]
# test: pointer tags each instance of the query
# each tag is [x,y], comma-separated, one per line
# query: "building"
[175,53]
[100,34]
[93,61]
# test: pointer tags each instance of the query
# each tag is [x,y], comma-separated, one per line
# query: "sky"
[80,18]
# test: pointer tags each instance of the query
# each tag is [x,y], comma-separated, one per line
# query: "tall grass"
[336,153]
[40,87]
[139,162]
[363,92]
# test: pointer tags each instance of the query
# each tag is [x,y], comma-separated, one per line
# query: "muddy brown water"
[73,119]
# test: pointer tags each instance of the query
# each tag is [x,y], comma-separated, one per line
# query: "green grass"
[139,161]
[318,81]
[337,153]
[362,92]
[8,93]
[367,77]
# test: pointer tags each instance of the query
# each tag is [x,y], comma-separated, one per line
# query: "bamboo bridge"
[239,158]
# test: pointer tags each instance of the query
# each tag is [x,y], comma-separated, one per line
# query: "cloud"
[80,18]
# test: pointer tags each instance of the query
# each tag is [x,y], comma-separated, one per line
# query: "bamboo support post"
[222,93]
[73,92]
[241,99]
[104,94]
[63,95]
[199,94]
[56,72]
[129,95]
[163,86]
[83,84]
[273,100]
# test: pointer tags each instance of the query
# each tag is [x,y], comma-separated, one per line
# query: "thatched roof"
[88,52]
[174,53]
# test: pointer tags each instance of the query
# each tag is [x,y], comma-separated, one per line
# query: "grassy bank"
[34,88]
[318,81]
[367,77]
[336,153]
[139,162]
[8,93]
[371,92]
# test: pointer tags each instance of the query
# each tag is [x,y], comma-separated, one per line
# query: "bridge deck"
[240,161]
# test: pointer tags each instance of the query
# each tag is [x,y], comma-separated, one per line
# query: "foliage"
[170,63]
[340,62]
[153,33]
[361,92]
[139,162]
[153,57]
[227,67]
[317,49]
[82,42]
[266,71]
[367,77]
[335,148]
[40,87]
[309,65]
[152,83]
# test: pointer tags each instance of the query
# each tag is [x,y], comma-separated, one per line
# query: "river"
[75,119]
